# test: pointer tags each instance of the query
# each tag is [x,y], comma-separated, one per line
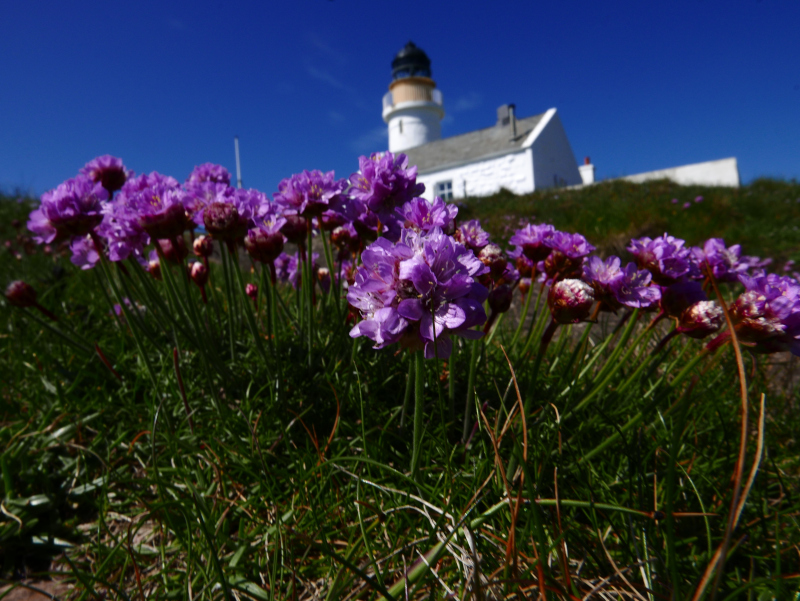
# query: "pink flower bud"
[324,277]
[524,286]
[203,247]
[174,252]
[701,319]
[20,294]
[500,298]
[222,221]
[570,301]
[252,291]
[154,268]
[199,274]
[492,256]
[295,229]
[263,246]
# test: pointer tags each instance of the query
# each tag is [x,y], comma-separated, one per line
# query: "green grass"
[295,480]
[764,216]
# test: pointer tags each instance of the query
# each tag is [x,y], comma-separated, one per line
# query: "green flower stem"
[547,336]
[250,317]
[521,323]
[266,288]
[140,321]
[677,430]
[105,295]
[636,419]
[134,331]
[186,305]
[310,294]
[336,283]
[451,384]
[537,326]
[612,363]
[228,293]
[579,350]
[473,368]
[407,395]
[419,405]
[58,332]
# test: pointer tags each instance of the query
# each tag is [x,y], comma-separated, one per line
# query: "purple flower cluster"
[74,209]
[665,258]
[384,183]
[418,291]
[309,193]
[726,263]
[471,234]
[209,172]
[542,248]
[107,171]
[616,287]
[767,314]
[423,216]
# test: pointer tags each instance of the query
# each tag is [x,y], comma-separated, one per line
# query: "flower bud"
[557,264]
[20,294]
[203,246]
[536,252]
[524,266]
[345,237]
[492,256]
[324,278]
[199,274]
[570,301]
[263,246]
[252,291]
[169,223]
[295,229]
[154,268]
[524,286]
[175,250]
[330,220]
[222,221]
[701,319]
[500,298]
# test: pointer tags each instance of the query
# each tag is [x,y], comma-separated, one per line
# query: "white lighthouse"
[413,106]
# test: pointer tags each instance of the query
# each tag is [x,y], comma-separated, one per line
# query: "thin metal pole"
[238,165]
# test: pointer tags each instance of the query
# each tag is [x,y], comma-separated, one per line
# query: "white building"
[521,155]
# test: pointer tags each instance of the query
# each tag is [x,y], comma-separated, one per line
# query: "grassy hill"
[764,216]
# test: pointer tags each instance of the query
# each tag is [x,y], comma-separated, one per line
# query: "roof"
[470,147]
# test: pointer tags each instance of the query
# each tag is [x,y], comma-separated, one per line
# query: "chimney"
[503,118]
[587,171]
[513,118]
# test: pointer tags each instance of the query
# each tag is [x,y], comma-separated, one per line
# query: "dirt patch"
[34,590]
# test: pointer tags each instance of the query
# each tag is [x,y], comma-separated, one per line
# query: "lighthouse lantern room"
[413,106]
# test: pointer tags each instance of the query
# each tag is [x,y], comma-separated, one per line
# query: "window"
[444,190]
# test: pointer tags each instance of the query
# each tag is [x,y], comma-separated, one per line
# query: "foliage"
[221,450]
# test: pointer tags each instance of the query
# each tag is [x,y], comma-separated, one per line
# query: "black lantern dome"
[411,62]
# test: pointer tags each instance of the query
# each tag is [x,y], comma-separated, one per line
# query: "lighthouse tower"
[413,106]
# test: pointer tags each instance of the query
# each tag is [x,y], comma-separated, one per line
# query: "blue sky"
[166,85]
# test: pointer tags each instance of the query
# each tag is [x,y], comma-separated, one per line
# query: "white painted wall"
[554,164]
[513,171]
[413,124]
[724,172]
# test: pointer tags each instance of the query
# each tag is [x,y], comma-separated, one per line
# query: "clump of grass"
[217,467]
